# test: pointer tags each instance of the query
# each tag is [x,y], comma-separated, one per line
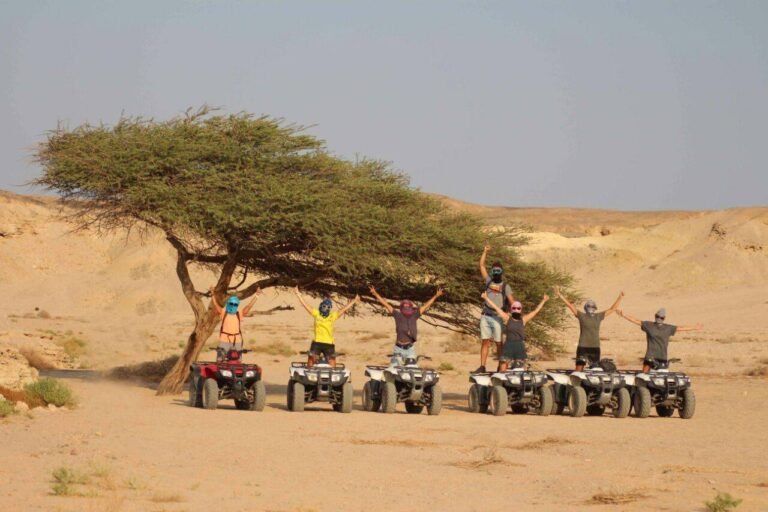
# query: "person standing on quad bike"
[324,343]
[230,333]
[657,335]
[406,318]
[589,328]
[514,346]
[500,293]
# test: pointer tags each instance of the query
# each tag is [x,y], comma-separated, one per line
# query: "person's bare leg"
[646,368]
[310,361]
[503,365]
[498,354]
[332,362]
[484,349]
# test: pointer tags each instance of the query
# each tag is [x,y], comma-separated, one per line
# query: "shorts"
[590,354]
[513,350]
[491,327]
[327,349]
[401,353]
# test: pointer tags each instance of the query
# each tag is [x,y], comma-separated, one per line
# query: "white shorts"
[491,327]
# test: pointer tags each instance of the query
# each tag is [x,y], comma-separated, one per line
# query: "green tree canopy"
[254,196]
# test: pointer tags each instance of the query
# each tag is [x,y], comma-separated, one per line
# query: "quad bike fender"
[208,371]
[481,380]
[374,374]
[389,375]
[576,378]
[642,379]
[559,378]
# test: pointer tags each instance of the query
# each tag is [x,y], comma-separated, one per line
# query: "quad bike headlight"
[312,377]
[336,377]
[514,380]
[659,382]
[249,374]
[429,377]
[405,376]
[594,380]
[226,373]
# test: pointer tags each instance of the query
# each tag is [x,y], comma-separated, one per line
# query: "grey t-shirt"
[658,339]
[495,295]
[406,327]
[589,328]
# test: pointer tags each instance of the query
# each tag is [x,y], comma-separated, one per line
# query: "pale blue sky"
[628,105]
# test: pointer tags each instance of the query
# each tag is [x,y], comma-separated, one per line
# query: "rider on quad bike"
[324,343]
[230,333]
[406,323]
[589,328]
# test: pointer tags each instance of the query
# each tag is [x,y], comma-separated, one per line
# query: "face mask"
[517,315]
[659,321]
[325,308]
[496,274]
[232,305]
[406,308]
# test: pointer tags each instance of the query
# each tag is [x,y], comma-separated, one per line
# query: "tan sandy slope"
[121,299]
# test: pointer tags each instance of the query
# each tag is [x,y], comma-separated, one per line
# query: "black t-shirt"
[406,327]
[658,339]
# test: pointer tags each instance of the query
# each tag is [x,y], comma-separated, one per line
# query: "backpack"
[506,305]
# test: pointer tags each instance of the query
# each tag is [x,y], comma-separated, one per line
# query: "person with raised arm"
[230,332]
[657,334]
[589,327]
[500,293]
[324,342]
[514,346]
[406,317]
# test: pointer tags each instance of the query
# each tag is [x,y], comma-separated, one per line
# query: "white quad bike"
[517,388]
[666,390]
[597,387]
[408,382]
[320,383]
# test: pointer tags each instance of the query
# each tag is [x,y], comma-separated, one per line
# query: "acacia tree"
[263,203]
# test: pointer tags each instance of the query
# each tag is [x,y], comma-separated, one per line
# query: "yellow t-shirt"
[324,326]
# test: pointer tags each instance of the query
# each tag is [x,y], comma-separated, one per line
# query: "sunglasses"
[233,304]
[660,318]
[516,309]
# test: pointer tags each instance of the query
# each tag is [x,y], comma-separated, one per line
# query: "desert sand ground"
[120,298]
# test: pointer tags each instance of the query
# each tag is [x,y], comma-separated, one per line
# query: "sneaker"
[480,370]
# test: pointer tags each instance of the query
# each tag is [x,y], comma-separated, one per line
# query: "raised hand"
[439,292]
[487,248]
[545,298]
[296,290]
[372,289]
[357,298]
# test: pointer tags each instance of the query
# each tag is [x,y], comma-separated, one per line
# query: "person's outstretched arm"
[382,300]
[483,270]
[349,305]
[683,328]
[301,299]
[632,319]
[530,316]
[216,306]
[503,314]
[423,309]
[567,304]
[247,308]
[615,305]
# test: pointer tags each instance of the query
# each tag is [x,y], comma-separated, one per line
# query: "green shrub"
[446,367]
[49,391]
[6,408]
[723,502]
[63,480]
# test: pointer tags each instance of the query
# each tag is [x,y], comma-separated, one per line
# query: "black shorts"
[591,354]
[513,350]
[328,349]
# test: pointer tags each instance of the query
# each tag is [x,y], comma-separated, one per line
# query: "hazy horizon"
[629,106]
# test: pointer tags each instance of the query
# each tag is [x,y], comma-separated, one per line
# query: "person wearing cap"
[324,342]
[230,333]
[514,345]
[657,334]
[491,324]
[406,318]
[589,328]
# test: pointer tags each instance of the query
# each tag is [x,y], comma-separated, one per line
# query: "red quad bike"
[227,378]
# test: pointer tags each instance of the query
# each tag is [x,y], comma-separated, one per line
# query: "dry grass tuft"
[150,371]
[276,348]
[405,443]
[490,457]
[373,336]
[762,484]
[167,498]
[539,444]
[35,359]
[460,343]
[616,498]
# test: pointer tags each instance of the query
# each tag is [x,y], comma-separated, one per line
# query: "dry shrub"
[373,336]
[762,484]
[73,346]
[35,359]
[538,444]
[13,395]
[490,457]
[276,348]
[616,498]
[167,498]
[460,343]
[758,371]
[406,443]
[150,371]
[49,391]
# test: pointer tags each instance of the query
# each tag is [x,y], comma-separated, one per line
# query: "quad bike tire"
[435,404]
[499,400]
[347,394]
[595,410]
[641,403]
[369,403]
[557,408]
[210,394]
[388,397]
[688,408]
[577,401]
[546,401]
[195,392]
[623,403]
[413,408]
[476,393]
[259,396]
[296,397]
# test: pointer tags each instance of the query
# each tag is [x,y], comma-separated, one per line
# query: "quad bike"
[416,386]
[592,390]
[227,378]
[320,383]
[517,388]
[662,389]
